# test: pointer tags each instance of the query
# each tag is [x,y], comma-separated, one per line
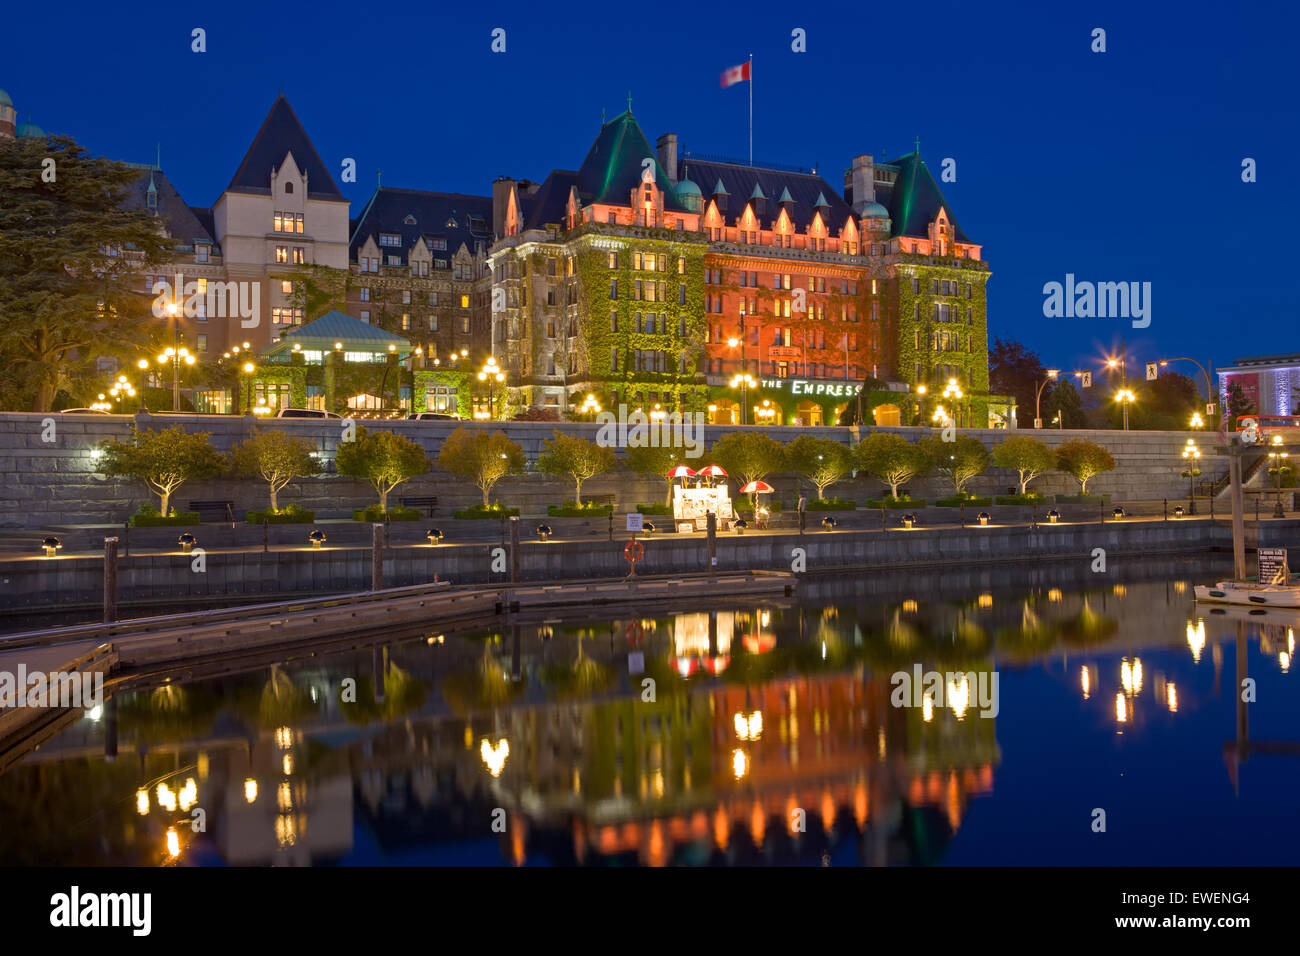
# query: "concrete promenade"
[158,573]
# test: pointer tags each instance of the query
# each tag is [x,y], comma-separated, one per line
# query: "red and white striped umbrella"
[681,471]
[711,471]
[757,488]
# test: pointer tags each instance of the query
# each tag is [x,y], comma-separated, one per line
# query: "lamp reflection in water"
[250,790]
[1171,697]
[1085,681]
[142,802]
[959,697]
[739,763]
[166,799]
[749,727]
[494,758]
[1130,676]
[1121,708]
[173,843]
[1196,638]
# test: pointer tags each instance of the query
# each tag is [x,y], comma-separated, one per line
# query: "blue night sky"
[1122,166]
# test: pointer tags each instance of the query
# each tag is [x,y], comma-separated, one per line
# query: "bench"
[601,500]
[214,510]
[421,501]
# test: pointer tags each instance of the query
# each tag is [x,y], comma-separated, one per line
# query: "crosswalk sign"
[1152,371]
[1085,379]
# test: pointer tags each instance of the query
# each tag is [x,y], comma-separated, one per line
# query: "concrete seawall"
[48,474]
[63,583]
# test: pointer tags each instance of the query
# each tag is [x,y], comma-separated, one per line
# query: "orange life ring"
[634,551]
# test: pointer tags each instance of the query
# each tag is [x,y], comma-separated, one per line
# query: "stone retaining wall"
[48,475]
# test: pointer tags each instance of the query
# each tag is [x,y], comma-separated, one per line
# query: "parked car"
[83,411]
[305,413]
[432,417]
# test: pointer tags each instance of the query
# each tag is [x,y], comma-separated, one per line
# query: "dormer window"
[288,187]
[409,220]
[451,223]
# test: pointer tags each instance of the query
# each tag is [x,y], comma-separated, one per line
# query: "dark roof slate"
[389,208]
[613,167]
[804,190]
[282,133]
[914,199]
[182,222]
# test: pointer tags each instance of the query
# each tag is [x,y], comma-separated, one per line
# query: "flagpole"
[751,109]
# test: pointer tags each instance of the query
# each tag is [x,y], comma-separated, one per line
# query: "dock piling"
[110,580]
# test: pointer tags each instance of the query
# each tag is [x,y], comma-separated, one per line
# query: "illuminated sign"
[802,386]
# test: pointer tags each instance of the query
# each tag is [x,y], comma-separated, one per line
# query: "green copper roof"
[915,200]
[320,335]
[757,193]
[821,202]
[614,165]
[720,190]
[4,99]
[785,196]
[687,188]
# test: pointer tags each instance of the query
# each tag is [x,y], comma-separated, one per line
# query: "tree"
[382,459]
[959,461]
[1027,456]
[1065,401]
[480,458]
[749,456]
[892,458]
[1015,370]
[1084,460]
[822,461]
[577,458]
[163,460]
[319,289]
[1238,404]
[656,460]
[276,457]
[71,255]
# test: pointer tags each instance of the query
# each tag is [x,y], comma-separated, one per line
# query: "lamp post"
[1278,464]
[952,391]
[249,368]
[744,382]
[1191,455]
[1125,397]
[1038,399]
[176,355]
[920,400]
[491,374]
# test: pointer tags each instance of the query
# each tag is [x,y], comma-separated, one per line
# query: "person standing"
[803,510]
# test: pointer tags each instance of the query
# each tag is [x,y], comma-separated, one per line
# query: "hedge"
[293,514]
[492,511]
[374,513]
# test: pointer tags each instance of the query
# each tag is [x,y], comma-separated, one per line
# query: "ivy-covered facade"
[656,282]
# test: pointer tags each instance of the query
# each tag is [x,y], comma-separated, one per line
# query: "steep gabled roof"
[613,167]
[281,133]
[182,222]
[551,201]
[390,209]
[804,190]
[914,199]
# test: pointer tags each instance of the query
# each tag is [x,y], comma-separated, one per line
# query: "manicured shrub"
[571,510]
[291,514]
[376,513]
[148,517]
[490,511]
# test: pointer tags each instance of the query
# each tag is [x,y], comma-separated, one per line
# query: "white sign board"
[1152,371]
[1085,379]
[634,522]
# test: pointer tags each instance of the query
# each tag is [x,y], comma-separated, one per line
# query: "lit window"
[286,287]
[464,302]
[281,253]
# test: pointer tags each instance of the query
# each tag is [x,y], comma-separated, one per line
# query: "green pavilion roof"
[320,335]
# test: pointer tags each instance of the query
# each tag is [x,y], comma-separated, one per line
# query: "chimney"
[500,201]
[666,148]
[864,182]
[848,186]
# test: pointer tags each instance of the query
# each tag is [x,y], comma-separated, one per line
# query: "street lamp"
[589,406]
[744,382]
[953,392]
[1038,399]
[1125,397]
[1191,455]
[1278,464]
[491,373]
[1197,421]
[249,368]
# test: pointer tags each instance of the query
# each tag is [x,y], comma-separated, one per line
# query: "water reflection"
[725,736]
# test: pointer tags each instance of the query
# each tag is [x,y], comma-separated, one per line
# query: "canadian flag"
[737,74]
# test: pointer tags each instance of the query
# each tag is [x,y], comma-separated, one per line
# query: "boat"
[1249,593]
